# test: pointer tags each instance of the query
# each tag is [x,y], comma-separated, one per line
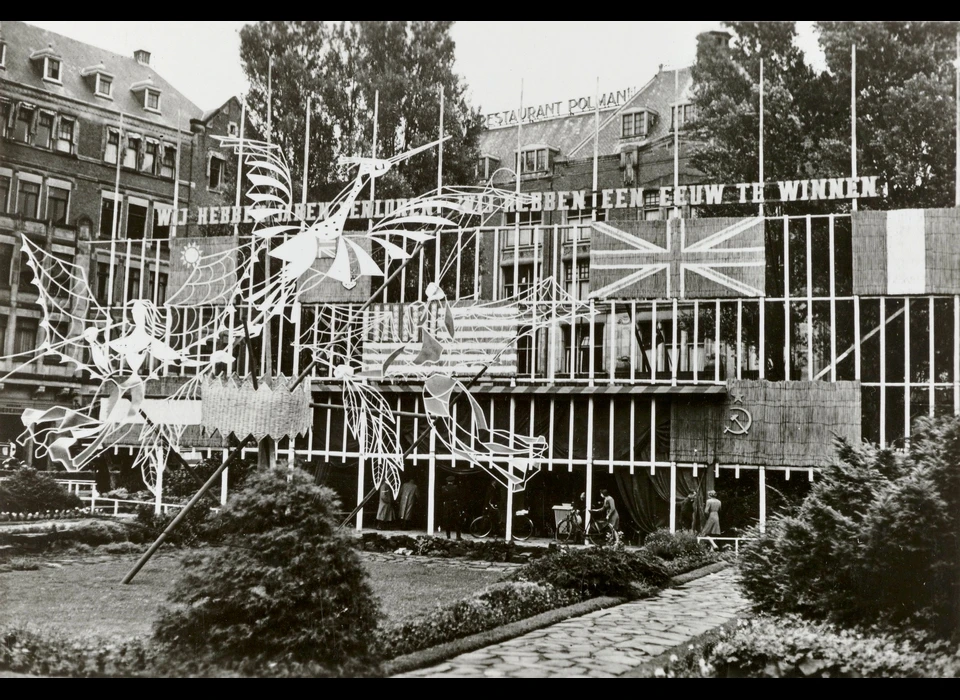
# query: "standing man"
[450,508]
[408,499]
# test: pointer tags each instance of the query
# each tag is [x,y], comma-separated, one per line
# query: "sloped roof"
[24,39]
[573,135]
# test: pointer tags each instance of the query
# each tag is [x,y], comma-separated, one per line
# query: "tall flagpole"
[267,447]
[376,110]
[270,99]
[306,159]
[853,117]
[243,119]
[676,138]
[761,133]
[440,146]
[957,176]
[596,145]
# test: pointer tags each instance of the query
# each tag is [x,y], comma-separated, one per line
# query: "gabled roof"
[24,40]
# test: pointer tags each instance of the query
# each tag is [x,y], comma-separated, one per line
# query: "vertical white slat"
[675,360]
[787,334]
[809,238]
[762,347]
[906,369]
[326,435]
[653,342]
[633,432]
[591,374]
[633,342]
[459,258]
[716,343]
[612,330]
[476,263]
[883,372]
[551,454]
[673,496]
[856,338]
[956,354]
[432,483]
[589,460]
[496,264]
[610,457]
[763,499]
[931,359]
[570,436]
[697,347]
[653,434]
[833,304]
[360,473]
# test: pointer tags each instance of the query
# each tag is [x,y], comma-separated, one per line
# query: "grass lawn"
[84,596]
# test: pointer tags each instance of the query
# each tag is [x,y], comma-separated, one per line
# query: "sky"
[549,60]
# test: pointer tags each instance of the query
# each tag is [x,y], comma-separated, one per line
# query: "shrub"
[595,571]
[50,654]
[95,533]
[788,647]
[199,526]
[181,484]
[30,491]
[287,593]
[492,607]
[669,545]
[877,538]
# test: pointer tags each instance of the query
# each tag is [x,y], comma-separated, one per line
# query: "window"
[21,128]
[113,145]
[232,129]
[104,85]
[106,218]
[26,337]
[136,221]
[44,130]
[4,194]
[524,275]
[169,163]
[579,221]
[6,111]
[103,280]
[151,100]
[581,289]
[133,283]
[131,152]
[688,113]
[216,172]
[58,200]
[534,160]
[528,219]
[486,166]
[161,214]
[51,69]
[6,265]
[149,156]
[651,206]
[161,289]
[28,198]
[65,134]
[635,124]
[26,274]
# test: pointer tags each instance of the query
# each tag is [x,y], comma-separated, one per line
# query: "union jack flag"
[678,258]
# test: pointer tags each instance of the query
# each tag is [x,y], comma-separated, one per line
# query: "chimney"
[715,39]
[143,57]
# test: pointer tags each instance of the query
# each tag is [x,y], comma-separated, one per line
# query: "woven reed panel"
[211,283]
[943,251]
[230,406]
[790,424]
[869,241]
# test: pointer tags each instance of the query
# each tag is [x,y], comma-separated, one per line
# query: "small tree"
[32,491]
[876,540]
[286,595]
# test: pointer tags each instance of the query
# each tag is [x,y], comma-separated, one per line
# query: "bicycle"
[598,532]
[484,524]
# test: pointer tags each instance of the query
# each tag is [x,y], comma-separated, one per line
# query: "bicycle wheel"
[596,535]
[481,526]
[566,530]
[522,528]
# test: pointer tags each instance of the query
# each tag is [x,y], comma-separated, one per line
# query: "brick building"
[90,145]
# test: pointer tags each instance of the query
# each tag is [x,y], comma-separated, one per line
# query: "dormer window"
[151,100]
[102,80]
[535,159]
[104,85]
[636,124]
[151,95]
[51,70]
[232,129]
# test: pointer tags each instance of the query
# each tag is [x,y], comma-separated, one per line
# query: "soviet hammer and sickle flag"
[677,258]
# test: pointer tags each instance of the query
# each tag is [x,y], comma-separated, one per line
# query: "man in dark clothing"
[450,507]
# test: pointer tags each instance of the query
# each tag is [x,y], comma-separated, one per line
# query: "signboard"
[560,108]
[566,200]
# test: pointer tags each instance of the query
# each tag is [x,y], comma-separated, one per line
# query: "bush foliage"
[595,571]
[288,590]
[877,539]
[30,491]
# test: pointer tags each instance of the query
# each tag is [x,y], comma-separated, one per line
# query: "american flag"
[484,334]
[678,258]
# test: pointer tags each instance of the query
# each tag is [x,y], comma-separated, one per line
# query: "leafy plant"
[30,491]
[595,571]
[287,592]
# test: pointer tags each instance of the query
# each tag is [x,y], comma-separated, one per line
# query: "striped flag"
[481,331]
[677,258]
[906,251]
